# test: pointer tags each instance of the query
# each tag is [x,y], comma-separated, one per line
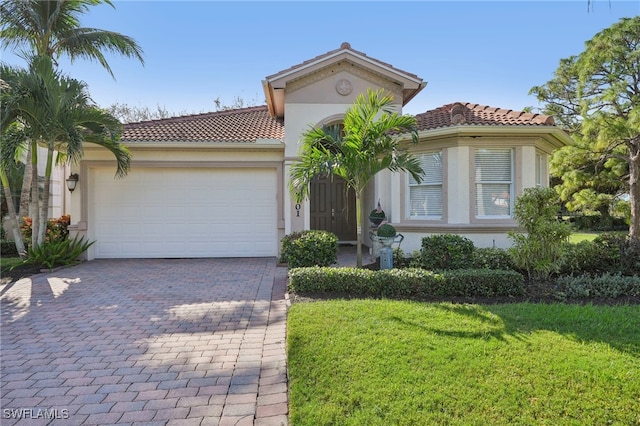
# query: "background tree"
[358,151]
[596,95]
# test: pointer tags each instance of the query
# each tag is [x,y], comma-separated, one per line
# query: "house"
[215,184]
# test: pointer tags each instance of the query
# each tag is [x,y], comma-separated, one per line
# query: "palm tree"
[367,144]
[58,114]
[52,28]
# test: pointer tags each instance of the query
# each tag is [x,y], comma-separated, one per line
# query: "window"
[541,160]
[494,183]
[425,198]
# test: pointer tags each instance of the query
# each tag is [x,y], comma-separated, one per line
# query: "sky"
[490,53]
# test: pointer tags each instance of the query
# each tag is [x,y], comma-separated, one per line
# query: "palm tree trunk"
[359,229]
[13,223]
[35,198]
[26,187]
[44,214]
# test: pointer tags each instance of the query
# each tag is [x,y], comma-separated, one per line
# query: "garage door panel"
[173,212]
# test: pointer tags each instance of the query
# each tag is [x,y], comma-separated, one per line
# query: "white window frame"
[511,183]
[411,183]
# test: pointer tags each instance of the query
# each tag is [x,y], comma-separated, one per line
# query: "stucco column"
[296,215]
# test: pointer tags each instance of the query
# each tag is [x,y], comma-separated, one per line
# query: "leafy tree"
[358,151]
[52,28]
[596,96]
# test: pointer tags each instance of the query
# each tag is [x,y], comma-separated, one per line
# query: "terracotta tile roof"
[238,125]
[343,46]
[460,114]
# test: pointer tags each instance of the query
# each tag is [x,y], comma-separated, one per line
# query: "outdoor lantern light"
[72,181]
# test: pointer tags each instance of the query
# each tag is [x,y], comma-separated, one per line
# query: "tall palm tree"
[52,28]
[58,114]
[366,145]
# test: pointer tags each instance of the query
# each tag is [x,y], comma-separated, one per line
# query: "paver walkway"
[177,341]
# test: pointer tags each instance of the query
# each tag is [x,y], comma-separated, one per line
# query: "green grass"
[582,236]
[406,363]
[8,262]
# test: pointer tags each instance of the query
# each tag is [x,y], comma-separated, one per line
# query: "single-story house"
[215,184]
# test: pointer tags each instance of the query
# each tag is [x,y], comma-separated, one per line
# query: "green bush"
[57,252]
[605,285]
[309,248]
[484,282]
[387,231]
[539,250]
[492,258]
[623,252]
[8,248]
[446,251]
[405,283]
[587,257]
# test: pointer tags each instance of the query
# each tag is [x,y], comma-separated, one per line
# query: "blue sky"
[490,53]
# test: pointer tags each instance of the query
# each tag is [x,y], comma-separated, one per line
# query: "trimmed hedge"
[405,283]
[484,282]
[309,248]
[446,251]
[605,285]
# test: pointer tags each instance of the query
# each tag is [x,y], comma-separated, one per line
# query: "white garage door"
[180,212]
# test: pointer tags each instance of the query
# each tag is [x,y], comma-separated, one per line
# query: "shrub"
[484,282]
[446,251]
[605,285]
[365,282]
[539,250]
[400,260]
[405,283]
[8,248]
[309,248]
[588,257]
[623,252]
[57,252]
[386,231]
[57,229]
[492,258]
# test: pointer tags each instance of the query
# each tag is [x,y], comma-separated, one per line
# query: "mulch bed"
[21,271]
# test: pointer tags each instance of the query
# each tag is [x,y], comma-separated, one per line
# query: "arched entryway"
[333,207]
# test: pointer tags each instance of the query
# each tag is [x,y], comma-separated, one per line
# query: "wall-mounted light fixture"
[72,181]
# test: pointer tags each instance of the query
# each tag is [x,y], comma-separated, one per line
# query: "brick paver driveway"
[179,341]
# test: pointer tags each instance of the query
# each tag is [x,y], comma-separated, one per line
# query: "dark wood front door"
[333,208]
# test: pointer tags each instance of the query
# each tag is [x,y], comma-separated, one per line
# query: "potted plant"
[386,234]
[376,216]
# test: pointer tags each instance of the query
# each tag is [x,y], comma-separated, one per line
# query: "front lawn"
[576,237]
[380,362]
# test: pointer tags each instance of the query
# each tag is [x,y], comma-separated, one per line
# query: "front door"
[333,207]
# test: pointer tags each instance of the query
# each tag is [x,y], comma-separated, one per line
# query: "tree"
[364,146]
[596,96]
[57,113]
[52,29]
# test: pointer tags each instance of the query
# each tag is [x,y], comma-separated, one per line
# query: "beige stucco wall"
[458,184]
